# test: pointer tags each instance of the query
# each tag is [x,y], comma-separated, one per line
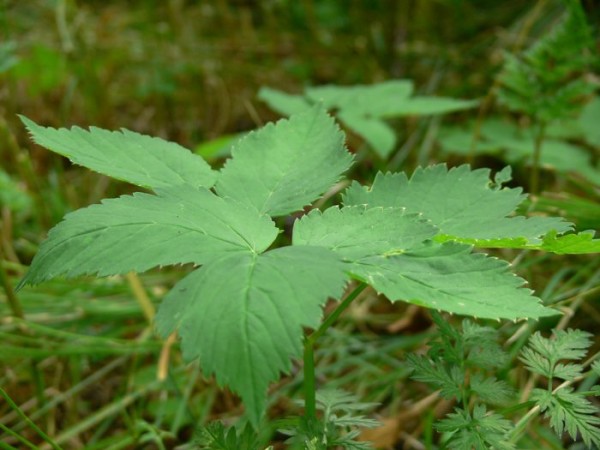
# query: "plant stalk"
[15,408]
[310,398]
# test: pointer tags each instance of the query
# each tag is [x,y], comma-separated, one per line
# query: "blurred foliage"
[84,363]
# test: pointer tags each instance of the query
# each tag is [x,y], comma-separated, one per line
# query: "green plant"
[461,364]
[547,82]
[242,312]
[364,109]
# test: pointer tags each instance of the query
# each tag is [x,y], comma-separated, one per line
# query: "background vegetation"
[80,357]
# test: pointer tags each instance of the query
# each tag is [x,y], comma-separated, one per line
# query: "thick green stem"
[310,408]
[537,152]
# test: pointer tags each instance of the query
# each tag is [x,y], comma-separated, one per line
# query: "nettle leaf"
[242,315]
[181,224]
[125,155]
[356,232]
[463,203]
[450,278]
[283,167]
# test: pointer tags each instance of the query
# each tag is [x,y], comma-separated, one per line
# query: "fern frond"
[570,411]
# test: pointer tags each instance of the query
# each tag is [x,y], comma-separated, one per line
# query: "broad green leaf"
[282,102]
[243,315]
[356,232]
[283,167]
[181,224]
[376,100]
[378,134]
[125,155]
[450,278]
[462,203]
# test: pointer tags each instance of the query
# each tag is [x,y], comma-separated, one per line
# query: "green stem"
[310,408]
[14,406]
[537,152]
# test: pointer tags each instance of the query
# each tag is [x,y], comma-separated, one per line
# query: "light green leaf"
[243,315]
[142,160]
[583,242]
[283,167]
[219,147]
[378,134]
[464,204]
[356,232]
[426,106]
[450,278]
[282,102]
[376,100]
[181,224]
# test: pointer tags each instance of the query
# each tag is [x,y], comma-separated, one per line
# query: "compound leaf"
[242,315]
[450,278]
[464,204]
[125,155]
[480,431]
[283,167]
[570,411]
[356,232]
[180,224]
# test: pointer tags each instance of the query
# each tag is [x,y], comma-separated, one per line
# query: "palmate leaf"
[464,204]
[181,224]
[450,278]
[125,155]
[281,168]
[242,315]
[356,232]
